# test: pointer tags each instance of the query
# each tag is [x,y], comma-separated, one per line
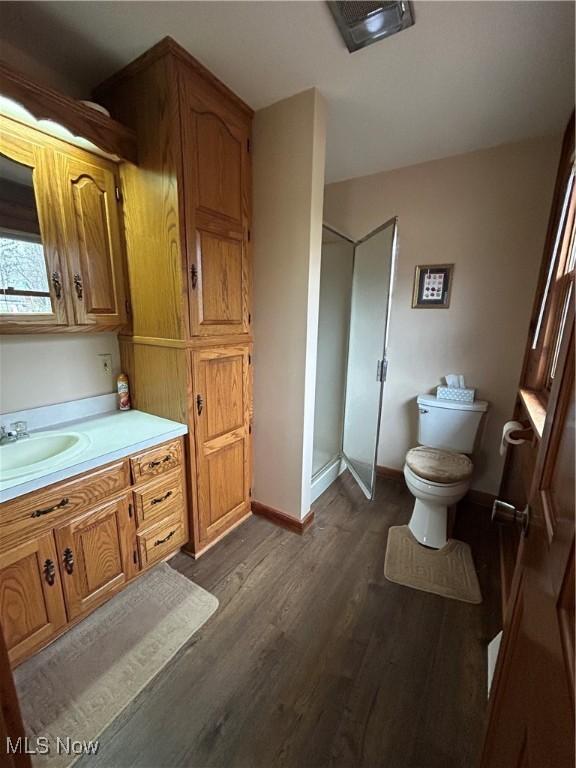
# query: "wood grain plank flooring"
[314,659]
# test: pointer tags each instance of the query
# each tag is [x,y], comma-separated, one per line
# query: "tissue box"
[462,395]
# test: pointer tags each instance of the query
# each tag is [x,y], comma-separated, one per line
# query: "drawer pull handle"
[49,572]
[68,561]
[160,499]
[154,464]
[60,505]
[165,539]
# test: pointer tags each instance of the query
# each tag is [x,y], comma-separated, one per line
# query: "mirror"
[24,287]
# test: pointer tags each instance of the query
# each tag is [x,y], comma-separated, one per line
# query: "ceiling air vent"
[361,24]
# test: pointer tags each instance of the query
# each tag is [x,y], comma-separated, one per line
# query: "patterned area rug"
[448,572]
[77,686]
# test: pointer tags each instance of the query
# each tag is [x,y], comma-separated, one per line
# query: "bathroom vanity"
[78,529]
[142,225]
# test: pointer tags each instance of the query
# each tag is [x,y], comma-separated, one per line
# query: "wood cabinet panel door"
[97,554]
[217,202]
[31,602]
[32,266]
[222,412]
[93,240]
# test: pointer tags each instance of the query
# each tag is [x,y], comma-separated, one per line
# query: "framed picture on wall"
[432,286]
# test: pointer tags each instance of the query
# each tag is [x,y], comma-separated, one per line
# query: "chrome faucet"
[18,431]
[21,428]
[7,436]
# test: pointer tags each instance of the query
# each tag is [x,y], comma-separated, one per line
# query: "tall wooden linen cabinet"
[187,210]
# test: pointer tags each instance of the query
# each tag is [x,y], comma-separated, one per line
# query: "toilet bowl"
[430,514]
[438,472]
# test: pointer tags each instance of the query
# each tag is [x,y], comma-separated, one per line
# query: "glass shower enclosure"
[355,293]
[366,368]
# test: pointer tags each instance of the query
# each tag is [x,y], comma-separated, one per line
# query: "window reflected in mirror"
[24,287]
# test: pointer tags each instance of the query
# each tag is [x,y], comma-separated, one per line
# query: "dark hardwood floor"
[314,659]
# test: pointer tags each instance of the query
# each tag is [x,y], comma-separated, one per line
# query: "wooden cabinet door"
[32,270]
[97,555]
[223,458]
[93,240]
[217,201]
[31,602]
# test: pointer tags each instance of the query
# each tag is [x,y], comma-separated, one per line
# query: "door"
[90,209]
[217,199]
[531,710]
[366,366]
[31,603]
[531,721]
[32,276]
[222,432]
[97,555]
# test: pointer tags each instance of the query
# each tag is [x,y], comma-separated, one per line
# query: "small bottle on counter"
[123,392]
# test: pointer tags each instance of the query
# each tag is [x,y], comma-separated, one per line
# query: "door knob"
[507,514]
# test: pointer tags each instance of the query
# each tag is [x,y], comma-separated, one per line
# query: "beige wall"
[485,212]
[26,61]
[50,368]
[288,172]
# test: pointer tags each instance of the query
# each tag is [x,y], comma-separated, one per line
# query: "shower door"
[366,367]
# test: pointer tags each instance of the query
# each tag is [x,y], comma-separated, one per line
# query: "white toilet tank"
[449,424]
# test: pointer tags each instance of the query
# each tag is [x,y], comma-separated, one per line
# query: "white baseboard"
[324,479]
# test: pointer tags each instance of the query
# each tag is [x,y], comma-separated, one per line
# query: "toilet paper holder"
[523,434]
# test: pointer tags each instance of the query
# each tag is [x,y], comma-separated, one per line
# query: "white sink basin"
[41,451]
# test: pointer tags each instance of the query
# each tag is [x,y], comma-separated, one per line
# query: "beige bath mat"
[77,686]
[448,572]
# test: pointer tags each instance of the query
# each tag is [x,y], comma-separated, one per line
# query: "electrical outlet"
[106,362]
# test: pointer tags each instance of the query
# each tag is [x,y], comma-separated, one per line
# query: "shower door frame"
[331,462]
[369,492]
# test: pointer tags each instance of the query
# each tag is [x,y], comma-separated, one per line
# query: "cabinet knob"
[78,285]
[49,572]
[57,283]
[68,561]
[199,404]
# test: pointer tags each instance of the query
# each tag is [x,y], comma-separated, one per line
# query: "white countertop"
[111,436]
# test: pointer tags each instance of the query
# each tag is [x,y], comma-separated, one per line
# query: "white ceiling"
[467,74]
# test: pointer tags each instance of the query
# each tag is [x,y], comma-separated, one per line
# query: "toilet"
[438,471]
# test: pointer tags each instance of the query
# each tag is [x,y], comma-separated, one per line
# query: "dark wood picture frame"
[432,286]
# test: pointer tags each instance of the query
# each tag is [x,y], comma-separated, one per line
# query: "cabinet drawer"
[40,510]
[159,498]
[156,461]
[157,542]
